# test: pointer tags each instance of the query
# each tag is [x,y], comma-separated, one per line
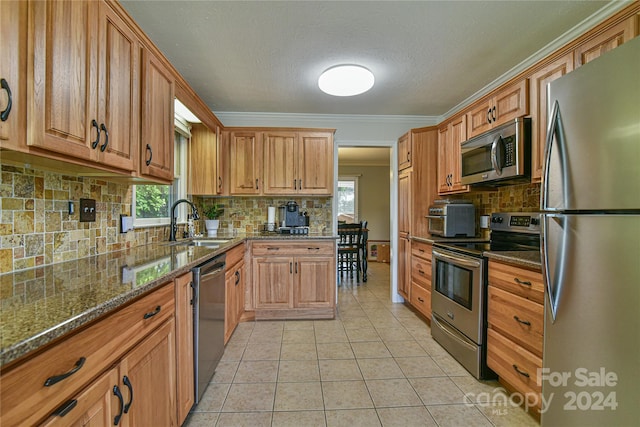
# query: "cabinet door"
[273,282]
[511,102]
[184,346]
[605,41]
[95,406]
[538,96]
[246,163]
[404,203]
[63,78]
[119,101]
[454,157]
[404,267]
[280,162]
[13,22]
[150,369]
[312,285]
[157,140]
[203,161]
[480,118]
[404,151]
[315,163]
[443,159]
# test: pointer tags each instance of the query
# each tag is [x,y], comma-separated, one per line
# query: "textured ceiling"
[427,56]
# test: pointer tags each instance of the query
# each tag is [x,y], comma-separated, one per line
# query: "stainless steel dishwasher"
[208,320]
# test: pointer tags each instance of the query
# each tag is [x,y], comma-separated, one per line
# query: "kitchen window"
[348,199]
[151,204]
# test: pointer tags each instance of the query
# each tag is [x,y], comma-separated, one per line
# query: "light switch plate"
[87,210]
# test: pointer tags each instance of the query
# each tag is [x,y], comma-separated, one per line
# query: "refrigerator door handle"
[554,281]
[554,129]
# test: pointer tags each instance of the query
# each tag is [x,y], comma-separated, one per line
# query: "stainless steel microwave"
[499,156]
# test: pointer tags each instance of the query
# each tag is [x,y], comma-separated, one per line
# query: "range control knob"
[496,219]
[535,221]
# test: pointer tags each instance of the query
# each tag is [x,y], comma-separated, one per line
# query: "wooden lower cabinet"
[140,347]
[185,377]
[421,277]
[234,290]
[516,327]
[297,282]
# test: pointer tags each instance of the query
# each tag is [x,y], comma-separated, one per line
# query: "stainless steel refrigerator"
[591,244]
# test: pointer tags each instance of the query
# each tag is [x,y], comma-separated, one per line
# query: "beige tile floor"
[374,365]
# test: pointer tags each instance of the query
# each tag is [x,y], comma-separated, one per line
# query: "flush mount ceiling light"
[346,80]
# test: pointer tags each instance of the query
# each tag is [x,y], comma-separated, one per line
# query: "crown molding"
[605,12]
[233,117]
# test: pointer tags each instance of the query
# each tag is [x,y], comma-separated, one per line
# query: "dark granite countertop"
[527,259]
[434,239]
[40,304]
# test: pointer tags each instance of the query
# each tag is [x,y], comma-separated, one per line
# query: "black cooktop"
[500,242]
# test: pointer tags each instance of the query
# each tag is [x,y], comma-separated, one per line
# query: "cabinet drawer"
[25,399]
[421,271]
[283,247]
[519,318]
[235,255]
[513,364]
[421,299]
[525,283]
[420,249]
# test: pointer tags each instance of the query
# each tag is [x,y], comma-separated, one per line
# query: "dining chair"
[349,249]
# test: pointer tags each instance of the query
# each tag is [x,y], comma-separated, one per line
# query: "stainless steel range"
[459,287]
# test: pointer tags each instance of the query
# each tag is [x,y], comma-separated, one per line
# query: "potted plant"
[212,212]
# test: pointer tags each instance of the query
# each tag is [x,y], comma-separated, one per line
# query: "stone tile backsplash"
[36,228]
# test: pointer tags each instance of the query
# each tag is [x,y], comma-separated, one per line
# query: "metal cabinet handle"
[493,113]
[257,184]
[219,182]
[126,382]
[524,322]
[152,313]
[116,392]
[106,134]
[296,267]
[521,282]
[524,374]
[237,277]
[290,267]
[150,151]
[56,379]
[489,115]
[420,299]
[4,115]
[421,272]
[95,143]
[295,185]
[65,408]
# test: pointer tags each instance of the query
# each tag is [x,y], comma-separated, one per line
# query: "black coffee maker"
[293,218]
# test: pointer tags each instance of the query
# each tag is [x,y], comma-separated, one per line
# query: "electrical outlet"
[87,210]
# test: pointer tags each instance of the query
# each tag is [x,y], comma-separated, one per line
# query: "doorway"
[373,169]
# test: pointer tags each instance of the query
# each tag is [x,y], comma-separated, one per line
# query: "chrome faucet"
[174,226]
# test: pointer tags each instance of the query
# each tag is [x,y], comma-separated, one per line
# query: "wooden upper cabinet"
[404,151]
[315,163]
[280,162]
[245,167]
[404,203]
[64,88]
[13,22]
[84,93]
[539,110]
[607,40]
[450,137]
[205,174]
[506,104]
[157,135]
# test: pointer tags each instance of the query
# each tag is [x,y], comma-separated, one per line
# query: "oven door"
[457,294]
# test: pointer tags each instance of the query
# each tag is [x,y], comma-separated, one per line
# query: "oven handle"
[434,216]
[456,260]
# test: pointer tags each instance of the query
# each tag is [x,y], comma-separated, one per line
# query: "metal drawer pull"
[521,282]
[4,115]
[273,249]
[152,313]
[420,299]
[237,278]
[524,374]
[116,392]
[421,272]
[313,249]
[524,322]
[65,408]
[126,382]
[56,379]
